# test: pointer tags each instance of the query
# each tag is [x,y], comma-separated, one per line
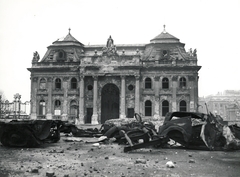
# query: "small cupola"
[165,37]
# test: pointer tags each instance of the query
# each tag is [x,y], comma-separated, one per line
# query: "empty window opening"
[183,82]
[148,108]
[73,83]
[183,106]
[165,107]
[148,83]
[165,83]
[58,83]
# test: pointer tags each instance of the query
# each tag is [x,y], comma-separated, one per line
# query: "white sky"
[211,26]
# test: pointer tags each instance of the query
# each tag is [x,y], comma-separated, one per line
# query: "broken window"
[42,108]
[165,107]
[165,83]
[148,83]
[148,108]
[58,83]
[74,83]
[42,84]
[183,106]
[183,82]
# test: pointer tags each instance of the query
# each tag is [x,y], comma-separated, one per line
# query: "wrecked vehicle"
[194,130]
[29,133]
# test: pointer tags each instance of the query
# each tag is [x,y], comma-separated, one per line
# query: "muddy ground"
[71,159]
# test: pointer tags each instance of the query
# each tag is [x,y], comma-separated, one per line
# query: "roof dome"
[68,40]
[165,37]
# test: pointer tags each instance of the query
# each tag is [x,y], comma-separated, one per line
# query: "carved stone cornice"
[65,79]
[156,78]
[49,79]
[174,78]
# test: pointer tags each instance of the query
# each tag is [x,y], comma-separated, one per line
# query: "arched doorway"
[109,102]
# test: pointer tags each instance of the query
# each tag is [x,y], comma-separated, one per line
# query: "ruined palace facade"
[94,83]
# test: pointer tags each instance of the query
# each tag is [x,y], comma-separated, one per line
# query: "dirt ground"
[72,159]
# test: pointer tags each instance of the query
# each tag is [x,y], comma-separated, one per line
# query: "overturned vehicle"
[29,133]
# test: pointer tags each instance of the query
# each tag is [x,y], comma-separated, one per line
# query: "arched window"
[183,106]
[42,108]
[148,83]
[74,83]
[42,84]
[182,82]
[57,103]
[58,83]
[165,107]
[148,108]
[165,83]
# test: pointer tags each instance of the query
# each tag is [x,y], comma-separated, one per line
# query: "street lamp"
[17,104]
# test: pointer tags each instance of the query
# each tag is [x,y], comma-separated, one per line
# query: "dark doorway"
[89,115]
[109,102]
[130,112]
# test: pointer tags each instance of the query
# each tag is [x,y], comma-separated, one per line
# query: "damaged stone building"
[94,83]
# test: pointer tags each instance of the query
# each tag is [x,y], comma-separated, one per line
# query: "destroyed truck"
[29,133]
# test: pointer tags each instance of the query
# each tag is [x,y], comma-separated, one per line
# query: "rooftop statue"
[110,48]
[36,57]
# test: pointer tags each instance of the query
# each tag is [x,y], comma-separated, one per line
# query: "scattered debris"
[170,164]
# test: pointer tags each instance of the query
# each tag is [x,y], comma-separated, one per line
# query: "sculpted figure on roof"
[110,48]
[36,57]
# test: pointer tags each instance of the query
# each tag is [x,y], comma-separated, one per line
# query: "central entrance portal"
[109,102]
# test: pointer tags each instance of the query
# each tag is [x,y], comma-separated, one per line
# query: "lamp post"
[17,104]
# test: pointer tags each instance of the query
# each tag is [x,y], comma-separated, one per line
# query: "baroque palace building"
[94,83]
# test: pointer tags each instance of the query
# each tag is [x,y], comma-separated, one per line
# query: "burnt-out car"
[183,127]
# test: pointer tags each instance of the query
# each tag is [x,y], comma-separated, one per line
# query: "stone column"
[192,84]
[174,94]
[34,87]
[156,93]
[95,98]
[65,95]
[123,98]
[137,96]
[49,104]
[81,101]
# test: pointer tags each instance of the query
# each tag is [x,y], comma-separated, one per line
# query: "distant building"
[226,104]
[94,83]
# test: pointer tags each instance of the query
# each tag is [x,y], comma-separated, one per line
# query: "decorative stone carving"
[174,78]
[35,79]
[36,57]
[110,48]
[49,79]
[65,79]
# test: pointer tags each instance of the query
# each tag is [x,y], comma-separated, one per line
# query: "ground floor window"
[42,108]
[183,106]
[148,108]
[165,107]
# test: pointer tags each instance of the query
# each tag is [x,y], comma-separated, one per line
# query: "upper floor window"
[165,107]
[42,84]
[57,103]
[148,108]
[183,106]
[73,83]
[42,108]
[165,83]
[182,82]
[148,83]
[58,83]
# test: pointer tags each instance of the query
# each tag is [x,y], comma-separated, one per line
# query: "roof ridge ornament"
[164,30]
[69,29]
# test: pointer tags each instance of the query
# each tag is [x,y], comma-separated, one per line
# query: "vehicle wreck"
[193,130]
[29,133]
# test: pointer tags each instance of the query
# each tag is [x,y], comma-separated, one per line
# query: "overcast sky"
[211,26]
